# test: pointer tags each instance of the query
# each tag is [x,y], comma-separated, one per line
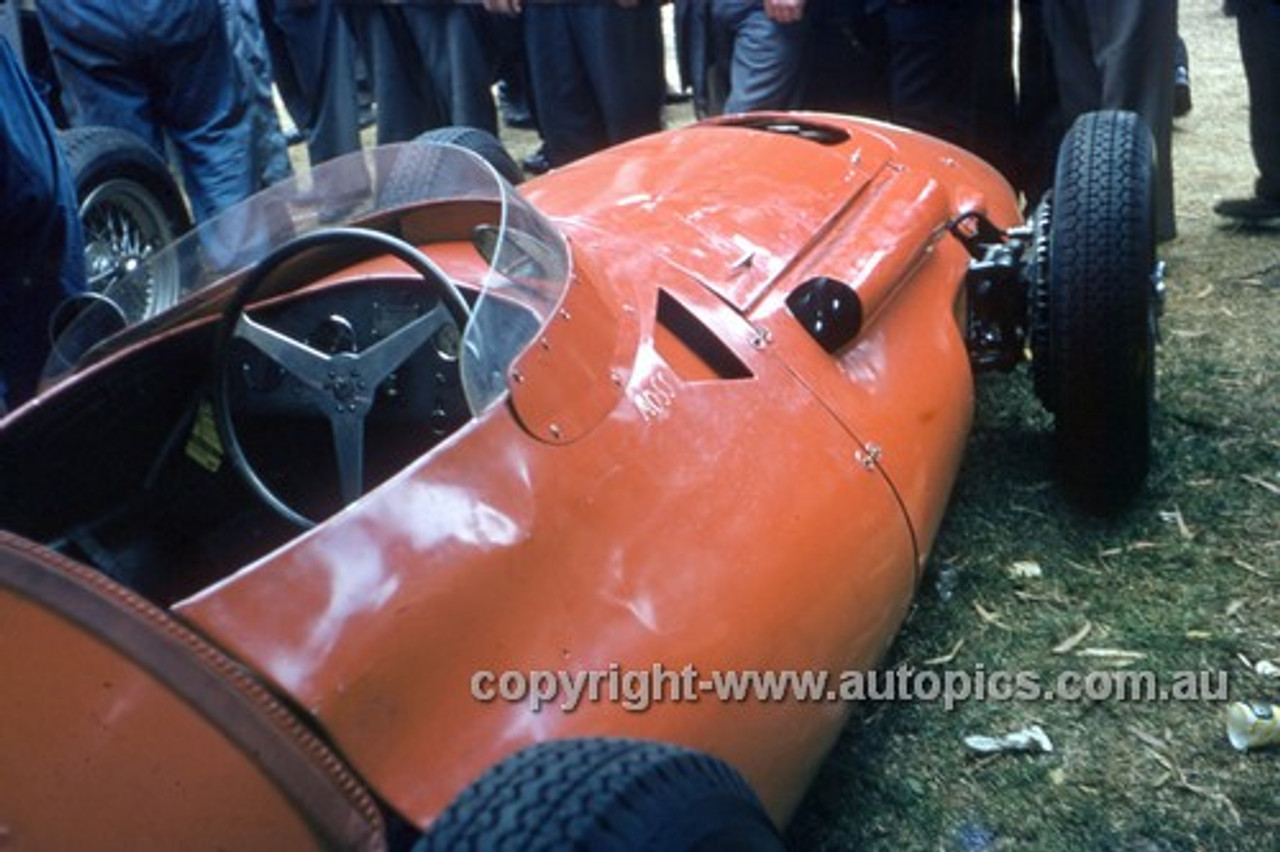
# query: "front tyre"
[605,794]
[1095,339]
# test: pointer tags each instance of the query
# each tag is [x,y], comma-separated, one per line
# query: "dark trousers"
[313,55]
[1119,55]
[596,70]
[430,64]
[950,70]
[41,248]
[1259,29]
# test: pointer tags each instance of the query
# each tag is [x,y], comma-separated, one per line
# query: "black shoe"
[517,116]
[514,106]
[1253,210]
[677,96]
[537,162]
[1181,91]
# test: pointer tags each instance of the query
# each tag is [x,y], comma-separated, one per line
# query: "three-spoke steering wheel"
[343,385]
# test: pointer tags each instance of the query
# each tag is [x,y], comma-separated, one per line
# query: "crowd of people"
[196,77]
[590,73]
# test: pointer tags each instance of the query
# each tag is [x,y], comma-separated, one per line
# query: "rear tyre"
[1095,334]
[130,206]
[605,794]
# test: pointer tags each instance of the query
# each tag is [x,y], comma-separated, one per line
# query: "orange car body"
[680,476]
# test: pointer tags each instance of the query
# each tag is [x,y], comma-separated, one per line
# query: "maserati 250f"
[695,401]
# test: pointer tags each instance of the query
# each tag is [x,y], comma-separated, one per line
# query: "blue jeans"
[159,68]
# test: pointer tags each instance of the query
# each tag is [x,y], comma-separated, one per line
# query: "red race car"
[448,526]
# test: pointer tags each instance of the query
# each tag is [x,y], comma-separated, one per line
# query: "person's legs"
[621,53]
[991,129]
[268,151]
[315,58]
[92,53]
[929,84]
[1259,27]
[470,66]
[199,99]
[41,246]
[767,69]
[406,108]
[1039,122]
[1111,55]
[1134,46]
[570,118]
[1079,80]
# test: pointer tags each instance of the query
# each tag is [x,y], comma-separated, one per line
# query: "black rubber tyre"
[130,206]
[481,142]
[412,174]
[605,794]
[1097,359]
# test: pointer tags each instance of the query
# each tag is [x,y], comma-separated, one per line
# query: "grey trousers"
[756,63]
[1118,54]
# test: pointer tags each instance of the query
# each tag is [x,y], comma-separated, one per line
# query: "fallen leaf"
[1149,739]
[1026,570]
[1031,738]
[945,658]
[1174,516]
[1257,572]
[1069,644]
[1262,483]
[1116,653]
[990,617]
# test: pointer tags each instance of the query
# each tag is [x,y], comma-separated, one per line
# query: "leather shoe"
[537,162]
[1253,210]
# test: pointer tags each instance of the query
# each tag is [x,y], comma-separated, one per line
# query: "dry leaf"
[1026,570]
[990,617]
[1069,644]
[1113,653]
[945,658]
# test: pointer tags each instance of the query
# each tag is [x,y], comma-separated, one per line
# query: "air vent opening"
[691,349]
[823,134]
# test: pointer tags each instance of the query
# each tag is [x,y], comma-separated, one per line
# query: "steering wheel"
[341,386]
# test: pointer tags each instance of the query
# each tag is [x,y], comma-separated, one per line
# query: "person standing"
[41,245]
[1258,26]
[164,70]
[269,154]
[1120,55]
[430,63]
[596,71]
[313,56]
[758,55]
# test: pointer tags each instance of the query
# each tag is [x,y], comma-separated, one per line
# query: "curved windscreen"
[526,277]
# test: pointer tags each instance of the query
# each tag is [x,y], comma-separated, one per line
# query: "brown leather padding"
[104,685]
